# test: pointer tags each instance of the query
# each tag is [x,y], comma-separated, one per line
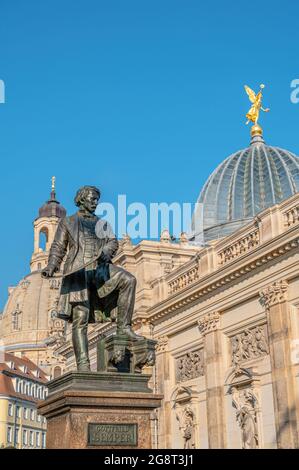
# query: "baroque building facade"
[225,315]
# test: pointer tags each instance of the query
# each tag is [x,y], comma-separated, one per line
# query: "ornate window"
[15,321]
[56,372]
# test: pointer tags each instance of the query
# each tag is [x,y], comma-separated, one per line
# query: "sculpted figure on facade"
[186,419]
[189,366]
[249,344]
[245,403]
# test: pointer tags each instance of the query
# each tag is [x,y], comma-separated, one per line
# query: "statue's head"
[87,198]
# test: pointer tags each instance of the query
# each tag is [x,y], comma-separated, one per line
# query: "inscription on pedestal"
[106,434]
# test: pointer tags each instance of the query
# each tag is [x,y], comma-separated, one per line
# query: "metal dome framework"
[246,183]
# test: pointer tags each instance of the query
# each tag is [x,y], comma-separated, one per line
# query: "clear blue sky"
[146,95]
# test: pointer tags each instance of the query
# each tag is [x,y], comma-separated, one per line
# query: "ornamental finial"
[53,184]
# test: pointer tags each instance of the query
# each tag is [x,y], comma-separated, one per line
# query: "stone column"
[163,385]
[274,297]
[213,360]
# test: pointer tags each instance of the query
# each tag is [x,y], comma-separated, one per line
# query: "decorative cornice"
[213,286]
[141,321]
[210,322]
[274,294]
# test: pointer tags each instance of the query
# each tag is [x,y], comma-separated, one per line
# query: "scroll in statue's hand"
[48,271]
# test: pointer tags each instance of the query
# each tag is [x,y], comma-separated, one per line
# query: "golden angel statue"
[256,100]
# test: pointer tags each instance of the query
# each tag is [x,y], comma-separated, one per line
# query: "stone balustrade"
[183,280]
[242,242]
[239,247]
[291,216]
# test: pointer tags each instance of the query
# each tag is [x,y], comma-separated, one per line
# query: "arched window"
[43,238]
[56,372]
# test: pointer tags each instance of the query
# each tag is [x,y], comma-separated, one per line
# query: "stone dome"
[27,324]
[246,183]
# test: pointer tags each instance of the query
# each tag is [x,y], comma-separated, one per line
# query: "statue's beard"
[86,209]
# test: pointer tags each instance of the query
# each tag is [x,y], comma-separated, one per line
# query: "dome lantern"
[45,226]
[52,207]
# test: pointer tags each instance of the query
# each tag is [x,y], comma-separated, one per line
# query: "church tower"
[28,327]
[45,226]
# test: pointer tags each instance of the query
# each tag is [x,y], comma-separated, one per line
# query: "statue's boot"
[79,337]
[127,330]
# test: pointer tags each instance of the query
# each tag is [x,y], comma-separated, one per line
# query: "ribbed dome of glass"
[244,184]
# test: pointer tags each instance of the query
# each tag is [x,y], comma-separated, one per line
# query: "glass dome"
[246,183]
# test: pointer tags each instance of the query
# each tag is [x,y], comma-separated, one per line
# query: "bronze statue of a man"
[91,286]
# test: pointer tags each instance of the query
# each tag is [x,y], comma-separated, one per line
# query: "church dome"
[246,183]
[52,208]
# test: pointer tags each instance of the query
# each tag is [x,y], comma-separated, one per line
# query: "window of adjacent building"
[38,418]
[17,435]
[38,439]
[18,411]
[10,409]
[25,437]
[25,413]
[44,440]
[9,434]
[31,438]
[32,415]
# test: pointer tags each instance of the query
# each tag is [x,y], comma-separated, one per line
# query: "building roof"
[19,367]
[246,183]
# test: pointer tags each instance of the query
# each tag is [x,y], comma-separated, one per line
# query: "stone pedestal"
[110,410]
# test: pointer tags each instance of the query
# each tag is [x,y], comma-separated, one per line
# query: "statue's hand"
[104,258]
[48,271]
